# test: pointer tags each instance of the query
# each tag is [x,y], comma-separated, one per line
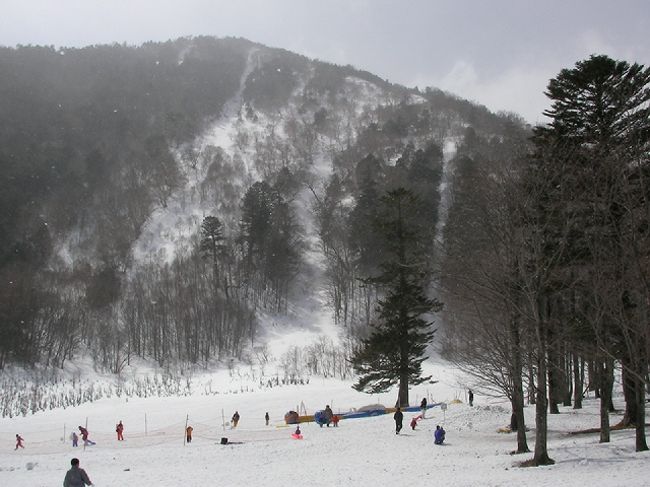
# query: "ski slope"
[363,451]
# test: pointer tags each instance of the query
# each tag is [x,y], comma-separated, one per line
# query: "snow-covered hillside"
[359,452]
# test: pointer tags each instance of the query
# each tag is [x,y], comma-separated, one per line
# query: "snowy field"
[359,452]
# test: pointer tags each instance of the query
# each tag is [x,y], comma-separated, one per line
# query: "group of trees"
[546,251]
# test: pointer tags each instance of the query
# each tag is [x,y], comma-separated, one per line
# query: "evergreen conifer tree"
[394,351]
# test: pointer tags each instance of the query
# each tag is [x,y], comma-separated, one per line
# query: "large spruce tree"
[394,351]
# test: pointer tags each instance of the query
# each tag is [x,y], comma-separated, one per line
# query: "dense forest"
[158,200]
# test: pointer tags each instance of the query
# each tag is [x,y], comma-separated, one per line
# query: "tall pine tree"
[394,351]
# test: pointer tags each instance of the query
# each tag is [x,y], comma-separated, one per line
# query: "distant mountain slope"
[112,157]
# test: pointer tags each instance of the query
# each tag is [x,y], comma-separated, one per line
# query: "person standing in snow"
[188,434]
[329,414]
[398,417]
[335,420]
[439,435]
[75,439]
[470,395]
[235,419]
[19,442]
[266,418]
[423,407]
[119,429]
[414,422]
[76,477]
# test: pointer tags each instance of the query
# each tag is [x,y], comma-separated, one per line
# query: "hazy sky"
[496,52]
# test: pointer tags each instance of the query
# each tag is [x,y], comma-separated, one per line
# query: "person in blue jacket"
[439,435]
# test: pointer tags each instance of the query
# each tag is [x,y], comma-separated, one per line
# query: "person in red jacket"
[19,442]
[119,429]
[84,436]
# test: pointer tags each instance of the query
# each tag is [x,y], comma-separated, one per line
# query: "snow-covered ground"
[358,452]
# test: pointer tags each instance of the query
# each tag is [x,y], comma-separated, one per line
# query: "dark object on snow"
[470,395]
[291,418]
[398,417]
[439,435]
[321,418]
[224,440]
[76,477]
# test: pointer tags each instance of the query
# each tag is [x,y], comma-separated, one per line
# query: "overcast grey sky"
[499,53]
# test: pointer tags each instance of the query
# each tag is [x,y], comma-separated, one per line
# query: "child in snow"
[266,418]
[439,435]
[119,429]
[423,407]
[235,419]
[335,420]
[188,434]
[19,442]
[75,439]
[414,422]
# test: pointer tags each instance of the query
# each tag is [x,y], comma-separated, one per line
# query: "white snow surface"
[362,451]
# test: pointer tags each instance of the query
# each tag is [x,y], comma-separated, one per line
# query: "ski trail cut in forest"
[449,148]
[169,230]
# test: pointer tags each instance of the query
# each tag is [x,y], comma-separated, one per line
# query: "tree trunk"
[577,381]
[629,392]
[517,422]
[541,452]
[553,375]
[403,397]
[604,374]
[641,443]
[540,456]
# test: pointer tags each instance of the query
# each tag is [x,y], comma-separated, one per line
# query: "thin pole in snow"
[63,432]
[223,420]
[145,424]
[187,418]
[86,430]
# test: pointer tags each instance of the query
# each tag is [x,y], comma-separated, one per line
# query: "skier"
[328,415]
[75,439]
[235,419]
[266,418]
[19,442]
[439,435]
[188,434]
[423,407]
[119,429]
[471,397]
[398,417]
[84,436]
[76,477]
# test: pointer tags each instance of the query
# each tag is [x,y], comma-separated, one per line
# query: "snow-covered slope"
[358,452]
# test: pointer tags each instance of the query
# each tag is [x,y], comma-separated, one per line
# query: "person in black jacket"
[423,407]
[398,417]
